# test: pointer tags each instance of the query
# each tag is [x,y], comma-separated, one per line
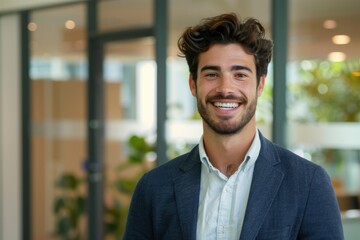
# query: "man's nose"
[225,84]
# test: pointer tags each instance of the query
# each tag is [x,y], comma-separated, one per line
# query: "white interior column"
[10,128]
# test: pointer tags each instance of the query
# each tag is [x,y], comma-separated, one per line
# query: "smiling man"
[235,184]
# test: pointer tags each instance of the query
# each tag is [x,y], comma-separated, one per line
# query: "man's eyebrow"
[240,67]
[217,68]
[210,67]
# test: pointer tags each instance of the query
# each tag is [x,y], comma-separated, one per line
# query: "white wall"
[10,132]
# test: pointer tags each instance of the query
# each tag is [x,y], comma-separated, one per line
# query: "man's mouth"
[226,105]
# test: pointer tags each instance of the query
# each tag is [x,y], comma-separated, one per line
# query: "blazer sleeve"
[322,218]
[139,224]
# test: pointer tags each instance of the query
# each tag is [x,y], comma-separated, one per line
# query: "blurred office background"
[93,94]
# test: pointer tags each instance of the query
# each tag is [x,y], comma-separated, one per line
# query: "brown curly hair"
[226,29]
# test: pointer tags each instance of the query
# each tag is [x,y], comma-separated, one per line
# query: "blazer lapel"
[187,190]
[265,185]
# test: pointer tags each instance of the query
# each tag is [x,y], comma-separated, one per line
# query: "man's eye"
[211,75]
[240,75]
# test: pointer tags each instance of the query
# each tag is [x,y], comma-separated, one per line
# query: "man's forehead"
[225,55]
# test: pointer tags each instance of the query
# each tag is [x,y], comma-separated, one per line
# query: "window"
[324,84]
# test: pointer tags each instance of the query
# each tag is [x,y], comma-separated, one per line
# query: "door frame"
[96,43]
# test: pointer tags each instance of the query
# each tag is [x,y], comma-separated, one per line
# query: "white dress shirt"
[223,200]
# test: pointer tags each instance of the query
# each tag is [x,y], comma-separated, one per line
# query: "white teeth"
[226,105]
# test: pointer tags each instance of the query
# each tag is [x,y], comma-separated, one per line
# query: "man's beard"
[228,125]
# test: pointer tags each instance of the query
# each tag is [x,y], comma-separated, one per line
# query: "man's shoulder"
[179,164]
[295,168]
[287,158]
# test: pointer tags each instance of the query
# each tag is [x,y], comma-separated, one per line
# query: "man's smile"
[226,105]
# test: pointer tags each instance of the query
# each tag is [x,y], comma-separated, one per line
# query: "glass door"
[130,124]
[58,122]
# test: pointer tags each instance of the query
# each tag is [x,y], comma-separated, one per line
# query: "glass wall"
[324,85]
[323,110]
[58,121]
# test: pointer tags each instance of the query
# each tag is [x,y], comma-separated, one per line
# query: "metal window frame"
[25,127]
[279,16]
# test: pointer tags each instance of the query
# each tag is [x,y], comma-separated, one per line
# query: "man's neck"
[227,152]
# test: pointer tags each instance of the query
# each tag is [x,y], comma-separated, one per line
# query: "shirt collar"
[248,162]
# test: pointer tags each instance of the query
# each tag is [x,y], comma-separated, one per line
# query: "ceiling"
[307,37]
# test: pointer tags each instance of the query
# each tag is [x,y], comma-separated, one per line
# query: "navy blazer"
[290,198]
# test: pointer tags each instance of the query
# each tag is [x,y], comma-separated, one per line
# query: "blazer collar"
[265,185]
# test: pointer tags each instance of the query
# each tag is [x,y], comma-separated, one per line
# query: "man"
[235,184]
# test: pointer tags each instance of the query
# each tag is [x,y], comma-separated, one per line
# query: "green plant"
[124,185]
[330,91]
[69,206]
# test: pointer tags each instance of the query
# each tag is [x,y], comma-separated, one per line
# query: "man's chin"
[226,129]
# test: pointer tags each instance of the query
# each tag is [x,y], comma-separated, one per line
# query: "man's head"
[226,29]
[228,61]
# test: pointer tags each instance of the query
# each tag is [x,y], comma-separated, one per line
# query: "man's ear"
[192,85]
[261,85]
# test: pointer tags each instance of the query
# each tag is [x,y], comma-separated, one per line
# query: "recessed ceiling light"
[341,39]
[32,26]
[329,24]
[70,24]
[336,56]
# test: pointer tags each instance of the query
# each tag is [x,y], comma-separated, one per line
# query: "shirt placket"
[224,225]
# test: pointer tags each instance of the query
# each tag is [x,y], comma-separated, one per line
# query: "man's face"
[226,88]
